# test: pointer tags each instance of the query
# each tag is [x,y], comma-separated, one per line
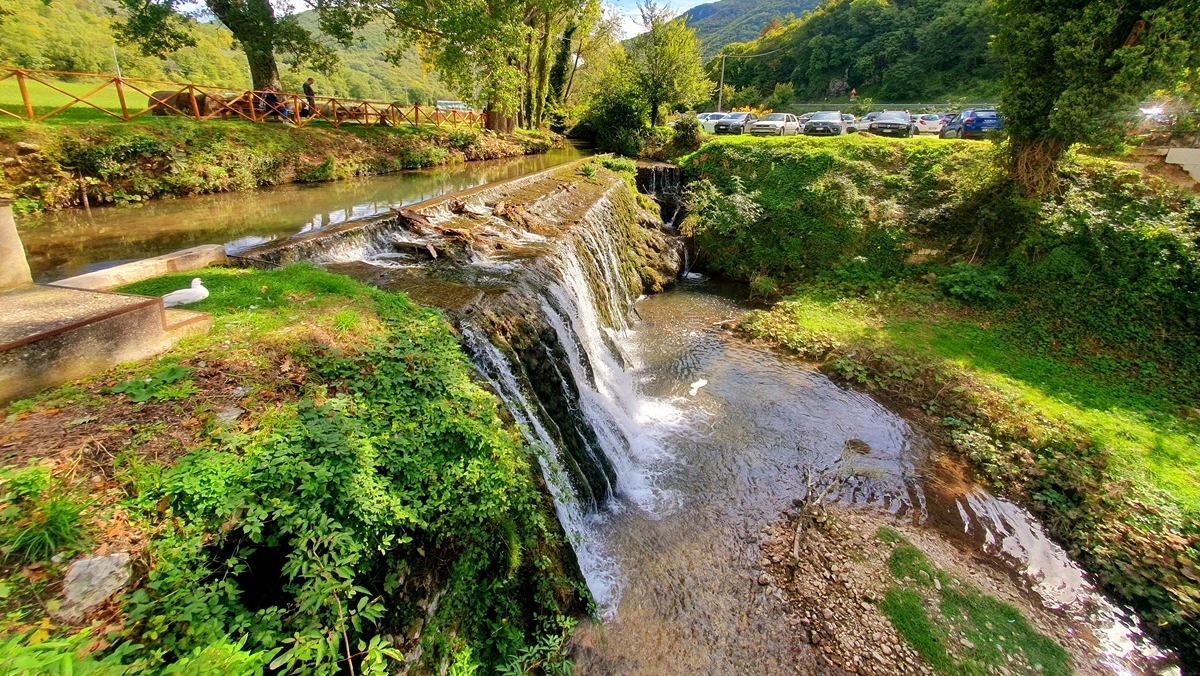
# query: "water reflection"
[70,242]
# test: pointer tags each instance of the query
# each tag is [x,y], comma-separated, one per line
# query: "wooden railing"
[205,103]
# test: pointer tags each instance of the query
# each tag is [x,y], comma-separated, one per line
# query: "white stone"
[90,581]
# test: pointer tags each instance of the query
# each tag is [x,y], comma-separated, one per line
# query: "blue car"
[973,123]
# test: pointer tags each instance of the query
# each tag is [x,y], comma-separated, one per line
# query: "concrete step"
[51,335]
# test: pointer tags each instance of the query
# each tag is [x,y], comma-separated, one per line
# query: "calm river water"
[71,242]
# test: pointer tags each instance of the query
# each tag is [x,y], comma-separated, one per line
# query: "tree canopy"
[1074,67]
[666,62]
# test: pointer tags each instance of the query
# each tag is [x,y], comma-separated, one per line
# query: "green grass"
[38,518]
[1134,420]
[927,618]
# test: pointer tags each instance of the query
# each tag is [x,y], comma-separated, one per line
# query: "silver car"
[776,124]
[709,120]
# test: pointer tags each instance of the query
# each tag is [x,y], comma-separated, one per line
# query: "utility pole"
[721,87]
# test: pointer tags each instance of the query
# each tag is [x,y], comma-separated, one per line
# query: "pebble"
[827,614]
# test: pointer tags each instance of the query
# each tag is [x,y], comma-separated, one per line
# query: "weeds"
[38,519]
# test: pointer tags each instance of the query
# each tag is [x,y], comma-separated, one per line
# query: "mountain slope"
[720,23]
[889,50]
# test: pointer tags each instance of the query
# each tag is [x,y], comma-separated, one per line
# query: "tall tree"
[666,59]
[1075,65]
[158,28]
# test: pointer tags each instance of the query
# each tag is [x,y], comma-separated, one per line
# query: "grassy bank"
[167,157]
[317,478]
[1053,343]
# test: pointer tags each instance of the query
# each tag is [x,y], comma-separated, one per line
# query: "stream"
[668,443]
[73,242]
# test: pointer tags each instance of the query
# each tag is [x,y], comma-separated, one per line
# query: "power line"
[721,85]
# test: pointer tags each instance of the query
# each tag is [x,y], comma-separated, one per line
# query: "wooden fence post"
[121,97]
[195,106]
[25,95]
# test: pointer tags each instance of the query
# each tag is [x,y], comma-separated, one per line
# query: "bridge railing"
[46,94]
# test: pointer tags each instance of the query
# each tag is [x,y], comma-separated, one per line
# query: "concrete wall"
[1188,158]
[14,269]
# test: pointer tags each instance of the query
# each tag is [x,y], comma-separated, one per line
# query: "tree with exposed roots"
[1075,66]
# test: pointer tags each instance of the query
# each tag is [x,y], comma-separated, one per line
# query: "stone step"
[50,335]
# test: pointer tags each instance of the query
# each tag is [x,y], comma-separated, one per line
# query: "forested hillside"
[76,35]
[720,23]
[887,50]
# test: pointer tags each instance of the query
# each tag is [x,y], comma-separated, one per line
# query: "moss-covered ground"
[317,480]
[1051,341]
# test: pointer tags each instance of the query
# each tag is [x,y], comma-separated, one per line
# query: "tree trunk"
[1033,164]
[558,73]
[252,22]
[574,67]
[527,94]
[543,71]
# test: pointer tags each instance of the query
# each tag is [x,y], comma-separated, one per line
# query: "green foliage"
[621,165]
[891,51]
[972,284]
[588,170]
[903,607]
[720,23]
[165,384]
[38,518]
[687,135]
[666,62]
[1107,56]
[783,94]
[396,477]
[822,203]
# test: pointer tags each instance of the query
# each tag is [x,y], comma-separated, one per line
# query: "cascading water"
[661,493]
[664,183]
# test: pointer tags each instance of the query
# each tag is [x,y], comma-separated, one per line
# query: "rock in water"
[90,582]
[193,294]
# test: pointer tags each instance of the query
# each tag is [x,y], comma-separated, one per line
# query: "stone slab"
[51,335]
[1187,158]
[179,261]
[31,312]
[89,582]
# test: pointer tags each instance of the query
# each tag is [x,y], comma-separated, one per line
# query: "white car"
[709,121]
[850,122]
[864,123]
[929,124]
[776,124]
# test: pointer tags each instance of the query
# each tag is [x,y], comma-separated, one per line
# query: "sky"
[628,11]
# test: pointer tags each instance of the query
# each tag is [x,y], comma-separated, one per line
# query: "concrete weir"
[53,334]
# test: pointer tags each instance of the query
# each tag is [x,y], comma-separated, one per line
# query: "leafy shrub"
[165,384]
[463,139]
[588,170]
[973,284]
[711,212]
[688,134]
[618,164]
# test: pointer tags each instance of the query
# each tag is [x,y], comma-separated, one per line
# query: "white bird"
[697,385]
[194,294]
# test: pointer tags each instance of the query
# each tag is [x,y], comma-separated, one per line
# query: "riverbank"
[44,166]
[1046,341]
[319,475]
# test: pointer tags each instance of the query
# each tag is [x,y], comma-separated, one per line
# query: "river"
[699,440]
[71,242]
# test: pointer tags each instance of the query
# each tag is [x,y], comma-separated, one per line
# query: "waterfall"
[558,276]
[664,183]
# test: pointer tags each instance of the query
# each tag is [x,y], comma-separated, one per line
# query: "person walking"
[311,95]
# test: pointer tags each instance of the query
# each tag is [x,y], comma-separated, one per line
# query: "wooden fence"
[205,103]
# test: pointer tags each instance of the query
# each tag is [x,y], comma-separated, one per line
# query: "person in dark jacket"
[273,104]
[311,95]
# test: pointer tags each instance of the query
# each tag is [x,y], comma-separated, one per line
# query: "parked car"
[930,123]
[864,122]
[973,123]
[850,123]
[894,123]
[805,118]
[825,123]
[735,123]
[776,124]
[710,121]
